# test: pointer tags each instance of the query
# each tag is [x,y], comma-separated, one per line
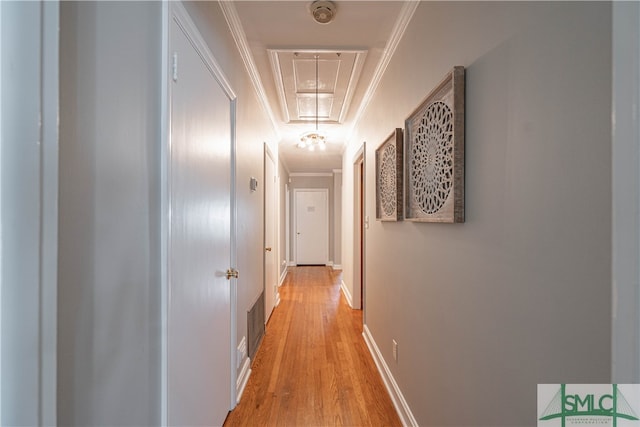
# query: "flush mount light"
[322,11]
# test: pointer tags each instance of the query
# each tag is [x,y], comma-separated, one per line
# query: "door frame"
[359,226]
[175,11]
[625,227]
[275,250]
[287,226]
[296,191]
[36,321]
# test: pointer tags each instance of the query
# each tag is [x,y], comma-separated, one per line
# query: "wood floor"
[313,367]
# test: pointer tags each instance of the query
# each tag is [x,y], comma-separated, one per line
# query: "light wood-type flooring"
[313,367]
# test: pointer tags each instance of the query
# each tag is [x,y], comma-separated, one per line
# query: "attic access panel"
[295,79]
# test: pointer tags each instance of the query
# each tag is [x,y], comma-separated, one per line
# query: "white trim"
[359,232]
[165,224]
[277,72]
[291,264]
[283,276]
[1,240]
[625,227]
[296,191]
[49,134]
[184,21]
[294,174]
[392,44]
[233,258]
[287,225]
[356,69]
[239,36]
[401,405]
[336,171]
[243,378]
[334,266]
[275,219]
[347,294]
[276,303]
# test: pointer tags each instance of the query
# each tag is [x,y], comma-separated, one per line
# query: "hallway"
[313,367]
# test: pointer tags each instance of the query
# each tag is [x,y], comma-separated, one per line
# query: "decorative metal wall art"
[434,154]
[389,178]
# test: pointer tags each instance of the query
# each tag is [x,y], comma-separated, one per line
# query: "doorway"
[311,224]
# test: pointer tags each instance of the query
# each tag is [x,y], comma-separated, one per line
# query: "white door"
[198,354]
[270,254]
[312,226]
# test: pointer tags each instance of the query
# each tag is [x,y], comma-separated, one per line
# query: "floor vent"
[255,325]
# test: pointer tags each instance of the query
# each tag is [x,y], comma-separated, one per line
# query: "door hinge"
[174,67]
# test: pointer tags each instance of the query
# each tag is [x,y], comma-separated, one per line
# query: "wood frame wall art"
[434,154]
[389,183]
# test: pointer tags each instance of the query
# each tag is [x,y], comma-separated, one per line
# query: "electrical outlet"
[395,350]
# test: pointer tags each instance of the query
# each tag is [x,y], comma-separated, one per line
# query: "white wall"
[109,236]
[253,130]
[519,294]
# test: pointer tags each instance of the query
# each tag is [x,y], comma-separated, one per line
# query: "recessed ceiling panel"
[306,105]
[338,73]
[304,70]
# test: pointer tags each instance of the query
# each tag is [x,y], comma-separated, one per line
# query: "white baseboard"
[337,266]
[347,294]
[243,378]
[402,407]
[277,302]
[283,276]
[291,264]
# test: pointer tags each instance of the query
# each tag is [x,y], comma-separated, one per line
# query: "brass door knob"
[267,249]
[232,272]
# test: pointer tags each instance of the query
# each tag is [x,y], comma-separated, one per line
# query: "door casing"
[271,248]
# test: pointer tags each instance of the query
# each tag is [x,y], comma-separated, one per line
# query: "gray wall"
[520,294]
[109,284]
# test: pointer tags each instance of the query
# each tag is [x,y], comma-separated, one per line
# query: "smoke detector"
[323,11]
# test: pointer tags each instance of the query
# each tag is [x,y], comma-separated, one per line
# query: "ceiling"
[279,41]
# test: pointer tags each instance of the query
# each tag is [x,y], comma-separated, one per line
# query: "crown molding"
[294,174]
[235,26]
[408,9]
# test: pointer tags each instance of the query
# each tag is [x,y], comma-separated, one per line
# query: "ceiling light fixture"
[314,139]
